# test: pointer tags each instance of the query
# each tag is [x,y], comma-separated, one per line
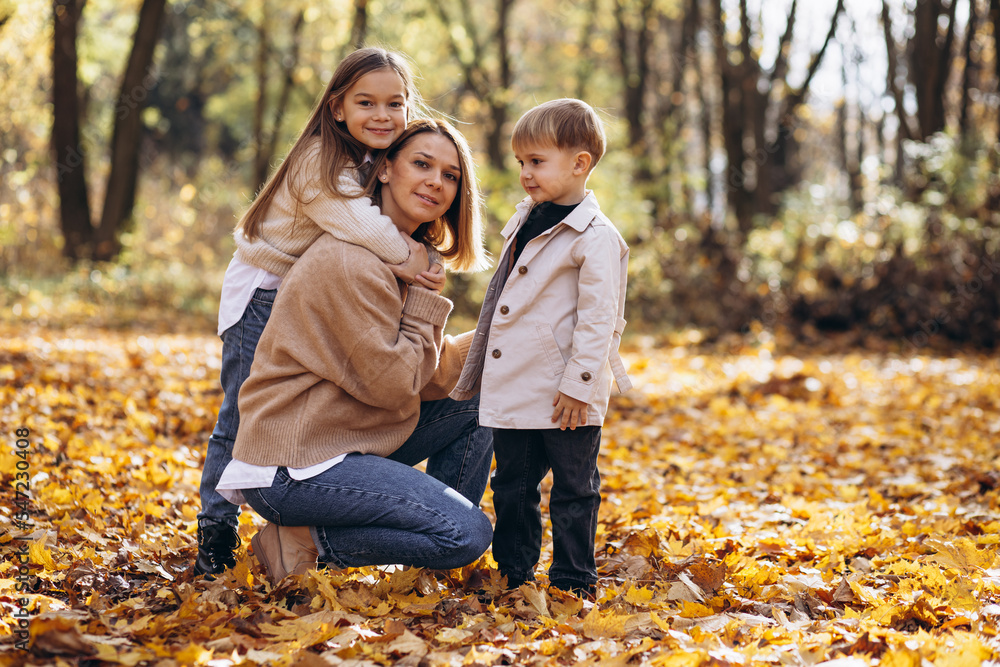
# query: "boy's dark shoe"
[514,582]
[582,591]
[216,544]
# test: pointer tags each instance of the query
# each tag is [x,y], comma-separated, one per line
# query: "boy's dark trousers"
[523,459]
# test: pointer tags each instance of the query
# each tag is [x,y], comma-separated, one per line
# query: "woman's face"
[421,181]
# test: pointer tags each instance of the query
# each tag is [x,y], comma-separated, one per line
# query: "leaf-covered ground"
[762,507]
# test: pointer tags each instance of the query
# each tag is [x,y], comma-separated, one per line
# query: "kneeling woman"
[331,415]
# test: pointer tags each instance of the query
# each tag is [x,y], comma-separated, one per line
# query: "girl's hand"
[572,412]
[432,279]
[414,265]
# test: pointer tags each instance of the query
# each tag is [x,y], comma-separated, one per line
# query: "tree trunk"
[755,111]
[739,198]
[892,73]
[359,27]
[496,140]
[492,88]
[850,161]
[705,107]
[671,116]
[288,80]
[784,146]
[585,62]
[74,206]
[759,169]
[894,86]
[930,63]
[965,128]
[857,175]
[261,158]
[633,50]
[995,19]
[127,135]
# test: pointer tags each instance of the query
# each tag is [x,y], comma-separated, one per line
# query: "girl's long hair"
[458,234]
[337,148]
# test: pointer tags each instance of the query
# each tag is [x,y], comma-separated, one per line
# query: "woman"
[331,415]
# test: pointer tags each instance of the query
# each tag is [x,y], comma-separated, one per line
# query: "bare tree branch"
[892,73]
[797,97]
[780,68]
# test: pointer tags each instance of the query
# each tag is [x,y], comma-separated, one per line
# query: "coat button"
[585,376]
[522,270]
[504,310]
[496,354]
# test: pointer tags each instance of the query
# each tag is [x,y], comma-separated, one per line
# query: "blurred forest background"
[776,165]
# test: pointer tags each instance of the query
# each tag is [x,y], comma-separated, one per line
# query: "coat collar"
[579,219]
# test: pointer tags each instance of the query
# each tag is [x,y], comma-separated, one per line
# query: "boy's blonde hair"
[566,123]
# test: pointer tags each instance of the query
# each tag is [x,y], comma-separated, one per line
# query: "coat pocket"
[550,348]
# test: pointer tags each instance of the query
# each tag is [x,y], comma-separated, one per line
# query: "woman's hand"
[414,265]
[432,279]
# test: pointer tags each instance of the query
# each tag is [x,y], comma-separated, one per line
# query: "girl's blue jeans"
[524,457]
[239,342]
[369,510]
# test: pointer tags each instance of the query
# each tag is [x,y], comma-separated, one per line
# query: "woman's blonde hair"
[337,148]
[458,234]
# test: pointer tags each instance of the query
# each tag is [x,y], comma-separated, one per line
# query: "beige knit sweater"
[344,361]
[292,225]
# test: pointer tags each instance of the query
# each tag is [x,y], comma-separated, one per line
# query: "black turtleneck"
[542,217]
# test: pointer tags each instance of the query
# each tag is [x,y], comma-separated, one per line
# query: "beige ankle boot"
[284,550]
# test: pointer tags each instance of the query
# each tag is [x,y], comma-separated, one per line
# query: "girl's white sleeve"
[355,220]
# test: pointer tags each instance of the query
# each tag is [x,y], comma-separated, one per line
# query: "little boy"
[546,348]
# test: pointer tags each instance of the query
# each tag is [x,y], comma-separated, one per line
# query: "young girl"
[317,189]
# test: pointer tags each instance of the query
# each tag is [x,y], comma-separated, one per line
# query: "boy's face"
[551,174]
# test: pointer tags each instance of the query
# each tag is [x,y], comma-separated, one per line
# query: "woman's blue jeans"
[369,510]
[239,342]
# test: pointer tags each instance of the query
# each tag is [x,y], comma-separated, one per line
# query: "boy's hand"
[433,279]
[572,412]
[414,265]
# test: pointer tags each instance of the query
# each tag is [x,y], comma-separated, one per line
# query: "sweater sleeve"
[391,359]
[351,218]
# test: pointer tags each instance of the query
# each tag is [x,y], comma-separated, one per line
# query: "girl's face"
[374,108]
[421,181]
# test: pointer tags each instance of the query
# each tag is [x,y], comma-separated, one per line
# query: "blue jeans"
[524,457]
[239,342]
[369,510]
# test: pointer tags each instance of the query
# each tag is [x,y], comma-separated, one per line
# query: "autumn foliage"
[764,505]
